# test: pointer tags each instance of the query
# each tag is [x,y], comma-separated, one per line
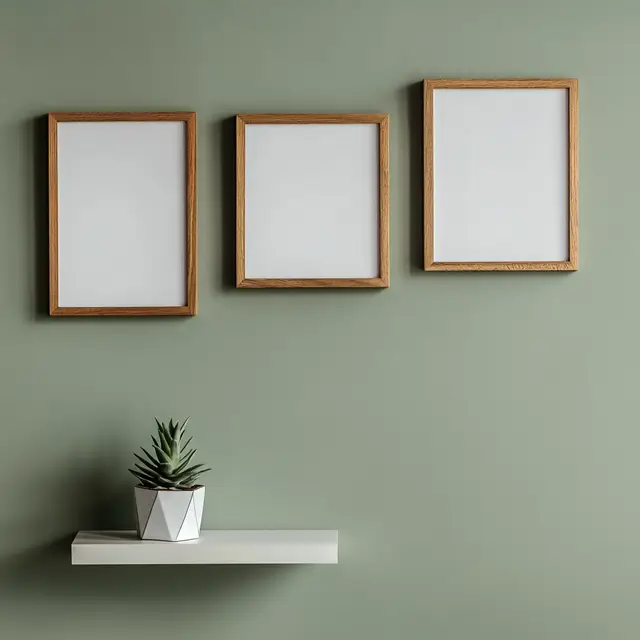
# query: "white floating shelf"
[213,547]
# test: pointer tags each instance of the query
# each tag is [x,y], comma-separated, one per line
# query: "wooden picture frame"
[137,171]
[256,148]
[547,130]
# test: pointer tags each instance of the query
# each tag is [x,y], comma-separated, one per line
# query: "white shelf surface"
[213,547]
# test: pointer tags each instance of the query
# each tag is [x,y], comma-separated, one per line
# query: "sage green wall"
[473,436]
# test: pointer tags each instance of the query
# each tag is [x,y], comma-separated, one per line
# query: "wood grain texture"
[313,283]
[428,175]
[571,85]
[192,217]
[313,118]
[240,199]
[501,266]
[382,120]
[573,174]
[189,118]
[53,214]
[122,311]
[383,237]
[123,116]
[500,83]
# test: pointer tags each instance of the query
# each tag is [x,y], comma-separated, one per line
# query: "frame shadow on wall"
[40,174]
[223,134]
[414,96]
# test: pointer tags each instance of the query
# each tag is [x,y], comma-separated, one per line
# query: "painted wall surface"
[473,436]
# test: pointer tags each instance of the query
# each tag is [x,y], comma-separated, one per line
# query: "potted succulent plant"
[169,500]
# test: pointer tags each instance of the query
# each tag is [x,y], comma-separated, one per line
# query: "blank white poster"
[501,179]
[311,201]
[121,214]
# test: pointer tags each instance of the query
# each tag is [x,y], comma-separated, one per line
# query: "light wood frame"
[189,118]
[571,85]
[382,120]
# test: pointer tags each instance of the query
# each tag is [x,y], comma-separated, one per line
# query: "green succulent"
[169,468]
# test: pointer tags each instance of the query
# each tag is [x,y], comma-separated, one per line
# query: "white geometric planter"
[172,516]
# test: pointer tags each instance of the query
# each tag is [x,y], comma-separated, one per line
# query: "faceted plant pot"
[169,515]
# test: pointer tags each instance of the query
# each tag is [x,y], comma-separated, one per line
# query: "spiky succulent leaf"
[169,469]
[190,470]
[162,457]
[185,461]
[147,465]
[162,437]
[151,475]
[192,480]
[149,456]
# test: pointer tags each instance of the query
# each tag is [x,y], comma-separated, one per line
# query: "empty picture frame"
[501,175]
[312,204]
[122,214]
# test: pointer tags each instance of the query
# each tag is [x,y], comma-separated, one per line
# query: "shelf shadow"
[46,573]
